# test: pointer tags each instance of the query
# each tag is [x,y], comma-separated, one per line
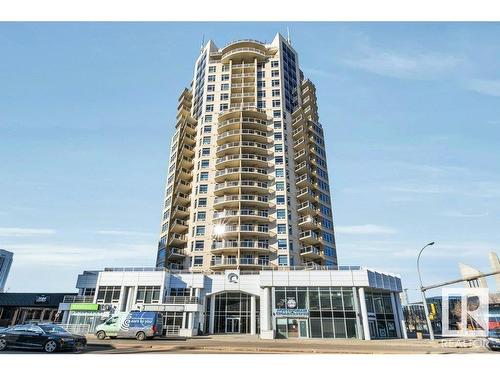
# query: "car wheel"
[141,336]
[101,335]
[50,346]
[3,344]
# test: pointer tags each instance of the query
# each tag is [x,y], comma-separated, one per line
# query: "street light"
[424,301]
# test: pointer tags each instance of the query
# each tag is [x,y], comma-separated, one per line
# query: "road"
[246,344]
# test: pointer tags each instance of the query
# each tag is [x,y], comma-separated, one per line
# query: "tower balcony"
[247,186]
[304,181]
[245,147]
[311,253]
[177,253]
[306,194]
[232,201]
[246,122]
[186,162]
[300,156]
[234,246]
[307,208]
[308,222]
[180,212]
[310,237]
[228,231]
[243,159]
[185,174]
[187,150]
[247,50]
[242,173]
[177,240]
[227,216]
[181,199]
[243,134]
[179,226]
[183,186]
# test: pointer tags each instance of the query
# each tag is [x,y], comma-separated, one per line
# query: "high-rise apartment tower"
[247,184]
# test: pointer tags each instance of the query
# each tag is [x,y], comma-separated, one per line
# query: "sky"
[411,114]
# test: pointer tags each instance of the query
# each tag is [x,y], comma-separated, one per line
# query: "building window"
[207,128]
[276,103]
[225,77]
[148,294]
[208,118]
[203,189]
[281,228]
[206,140]
[282,260]
[276,92]
[209,108]
[223,106]
[261,94]
[224,86]
[261,74]
[275,83]
[275,73]
[197,261]
[205,151]
[199,245]
[202,202]
[280,172]
[200,230]
[275,64]
[211,69]
[275,113]
[108,294]
[280,186]
[224,96]
[281,214]
[261,104]
[201,216]
[280,199]
[204,163]
[278,148]
[210,88]
[211,78]
[210,98]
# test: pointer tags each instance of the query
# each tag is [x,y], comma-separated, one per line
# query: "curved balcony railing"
[242,170]
[261,146]
[246,244]
[243,197]
[244,212]
[243,157]
[243,120]
[242,132]
[242,183]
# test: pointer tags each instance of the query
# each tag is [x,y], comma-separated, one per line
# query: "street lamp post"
[424,300]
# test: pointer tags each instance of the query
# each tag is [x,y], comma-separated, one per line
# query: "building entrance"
[232,325]
[233,313]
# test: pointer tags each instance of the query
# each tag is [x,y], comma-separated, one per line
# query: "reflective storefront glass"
[317,312]
[380,315]
[233,313]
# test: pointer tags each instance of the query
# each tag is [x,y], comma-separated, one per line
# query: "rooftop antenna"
[288,35]
[202,42]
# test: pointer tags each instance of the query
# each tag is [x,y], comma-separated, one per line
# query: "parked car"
[47,337]
[494,339]
[138,324]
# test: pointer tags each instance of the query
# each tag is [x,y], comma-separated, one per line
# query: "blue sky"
[411,113]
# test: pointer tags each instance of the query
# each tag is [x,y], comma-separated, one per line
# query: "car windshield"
[52,328]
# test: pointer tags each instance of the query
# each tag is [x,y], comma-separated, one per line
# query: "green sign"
[84,307]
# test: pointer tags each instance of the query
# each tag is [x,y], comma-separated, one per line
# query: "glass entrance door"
[232,325]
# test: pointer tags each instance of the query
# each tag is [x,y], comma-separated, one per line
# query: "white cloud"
[25,232]
[364,229]
[121,233]
[459,214]
[46,255]
[483,86]
[397,65]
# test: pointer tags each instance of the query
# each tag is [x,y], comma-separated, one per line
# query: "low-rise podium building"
[336,302]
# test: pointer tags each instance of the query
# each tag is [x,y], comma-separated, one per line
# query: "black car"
[47,337]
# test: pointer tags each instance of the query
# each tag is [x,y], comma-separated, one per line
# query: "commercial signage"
[84,307]
[41,299]
[293,313]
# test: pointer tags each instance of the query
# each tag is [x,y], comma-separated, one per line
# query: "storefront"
[20,308]
[316,312]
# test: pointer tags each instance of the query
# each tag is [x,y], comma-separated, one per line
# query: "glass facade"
[380,315]
[317,312]
[233,313]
